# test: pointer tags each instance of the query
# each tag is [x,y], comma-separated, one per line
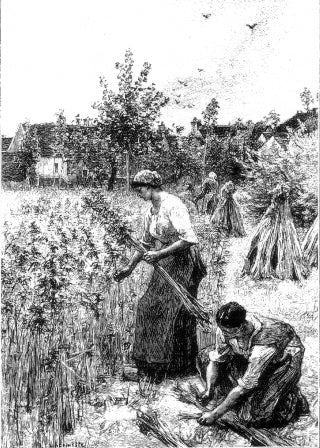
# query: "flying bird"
[206,16]
[177,101]
[200,69]
[182,83]
[252,27]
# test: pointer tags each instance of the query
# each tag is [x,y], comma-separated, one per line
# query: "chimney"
[162,127]
[194,125]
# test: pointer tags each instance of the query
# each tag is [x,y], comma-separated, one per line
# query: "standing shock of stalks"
[310,245]
[227,216]
[275,250]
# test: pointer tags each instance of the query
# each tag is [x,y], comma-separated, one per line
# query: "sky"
[54,51]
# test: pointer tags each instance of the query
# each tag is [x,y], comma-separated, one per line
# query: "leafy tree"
[60,134]
[306,99]
[272,119]
[109,156]
[85,148]
[128,116]
[294,166]
[241,140]
[210,116]
[225,157]
[173,160]
[29,154]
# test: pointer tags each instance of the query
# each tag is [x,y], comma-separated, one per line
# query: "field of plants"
[68,327]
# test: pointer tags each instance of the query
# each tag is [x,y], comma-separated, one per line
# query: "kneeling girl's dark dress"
[165,333]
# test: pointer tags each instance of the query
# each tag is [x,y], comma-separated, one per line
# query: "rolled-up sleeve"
[147,239]
[180,220]
[260,358]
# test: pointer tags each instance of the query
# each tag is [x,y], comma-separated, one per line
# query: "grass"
[100,346]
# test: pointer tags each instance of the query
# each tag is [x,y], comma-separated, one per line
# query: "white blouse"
[170,223]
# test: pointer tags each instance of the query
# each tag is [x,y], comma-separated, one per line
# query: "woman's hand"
[122,274]
[204,397]
[151,256]
[204,394]
[207,418]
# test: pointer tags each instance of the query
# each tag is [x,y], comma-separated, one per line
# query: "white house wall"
[51,167]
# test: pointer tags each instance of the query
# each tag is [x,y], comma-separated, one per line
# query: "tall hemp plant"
[210,115]
[128,115]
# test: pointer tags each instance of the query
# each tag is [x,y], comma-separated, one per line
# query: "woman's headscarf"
[147,178]
[212,175]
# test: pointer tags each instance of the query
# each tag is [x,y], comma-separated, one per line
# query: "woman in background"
[209,194]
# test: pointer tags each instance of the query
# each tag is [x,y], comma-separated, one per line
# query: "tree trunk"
[204,159]
[128,168]
[112,177]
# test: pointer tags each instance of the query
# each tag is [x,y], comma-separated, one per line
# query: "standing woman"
[209,193]
[165,333]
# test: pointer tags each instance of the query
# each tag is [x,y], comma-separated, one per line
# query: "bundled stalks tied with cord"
[229,421]
[275,250]
[310,245]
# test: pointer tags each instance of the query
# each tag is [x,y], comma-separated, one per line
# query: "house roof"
[222,130]
[283,141]
[46,137]
[294,122]
[5,143]
[274,141]
[200,131]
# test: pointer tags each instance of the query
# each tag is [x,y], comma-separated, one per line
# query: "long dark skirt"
[276,401]
[165,334]
[209,203]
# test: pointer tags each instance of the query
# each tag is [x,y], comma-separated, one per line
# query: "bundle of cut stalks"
[227,216]
[149,422]
[189,396]
[310,245]
[275,250]
[263,437]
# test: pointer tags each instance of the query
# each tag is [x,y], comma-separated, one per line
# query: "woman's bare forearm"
[211,375]
[135,259]
[231,400]
[173,248]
